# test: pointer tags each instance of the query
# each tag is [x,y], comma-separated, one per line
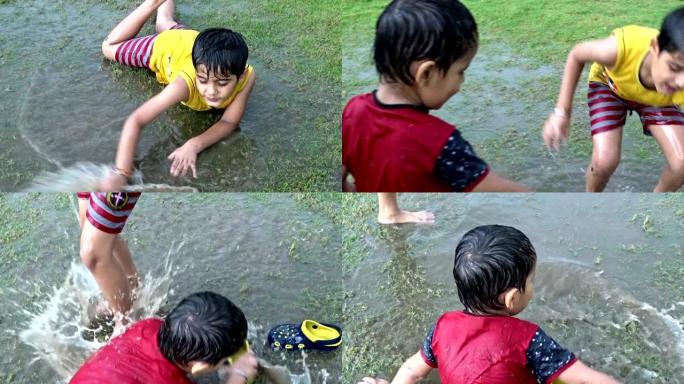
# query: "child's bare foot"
[402,217]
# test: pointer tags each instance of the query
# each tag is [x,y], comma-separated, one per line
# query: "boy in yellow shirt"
[635,69]
[202,70]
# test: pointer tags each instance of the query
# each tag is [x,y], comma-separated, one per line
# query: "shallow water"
[501,109]
[64,104]
[608,283]
[261,251]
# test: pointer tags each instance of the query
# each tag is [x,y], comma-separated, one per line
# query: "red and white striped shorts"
[137,51]
[109,211]
[608,111]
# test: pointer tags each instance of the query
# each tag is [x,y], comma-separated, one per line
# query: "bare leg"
[82,209]
[129,27]
[604,160]
[671,141]
[123,256]
[97,248]
[165,17]
[121,253]
[390,213]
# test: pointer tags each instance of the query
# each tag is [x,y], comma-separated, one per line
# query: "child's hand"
[556,131]
[184,159]
[115,182]
[370,380]
[244,369]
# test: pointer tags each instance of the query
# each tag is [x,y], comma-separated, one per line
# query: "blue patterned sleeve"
[459,166]
[426,350]
[547,358]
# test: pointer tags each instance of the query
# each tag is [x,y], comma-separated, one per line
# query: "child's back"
[468,348]
[393,148]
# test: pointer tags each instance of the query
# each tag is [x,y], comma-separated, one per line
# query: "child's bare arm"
[579,373]
[412,370]
[185,157]
[599,51]
[495,183]
[172,94]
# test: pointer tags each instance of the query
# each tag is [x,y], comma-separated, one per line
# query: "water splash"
[55,331]
[85,176]
[281,375]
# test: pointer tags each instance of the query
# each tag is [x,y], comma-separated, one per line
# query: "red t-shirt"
[392,148]
[131,358]
[471,349]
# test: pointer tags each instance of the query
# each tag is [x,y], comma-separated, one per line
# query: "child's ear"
[655,48]
[199,367]
[509,298]
[423,70]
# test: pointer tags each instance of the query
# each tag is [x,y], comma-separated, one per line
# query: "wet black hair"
[489,260]
[222,51]
[671,37]
[205,327]
[411,30]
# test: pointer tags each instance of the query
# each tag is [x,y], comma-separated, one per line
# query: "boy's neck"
[397,93]
[645,72]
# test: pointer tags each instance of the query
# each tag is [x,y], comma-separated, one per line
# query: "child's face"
[213,88]
[436,87]
[667,70]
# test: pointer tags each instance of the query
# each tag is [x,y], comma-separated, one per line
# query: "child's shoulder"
[635,32]
[456,318]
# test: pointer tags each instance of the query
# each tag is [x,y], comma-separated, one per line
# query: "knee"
[677,167]
[107,50]
[605,166]
[90,258]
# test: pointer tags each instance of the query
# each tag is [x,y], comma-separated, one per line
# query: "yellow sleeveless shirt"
[623,78]
[172,57]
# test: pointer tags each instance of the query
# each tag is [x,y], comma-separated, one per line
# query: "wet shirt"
[402,148]
[470,349]
[172,57]
[623,79]
[131,358]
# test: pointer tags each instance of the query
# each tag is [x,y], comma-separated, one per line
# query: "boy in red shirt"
[494,271]
[198,336]
[390,141]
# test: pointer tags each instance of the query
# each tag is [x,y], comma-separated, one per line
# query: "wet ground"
[63,103]
[501,109]
[271,255]
[608,286]
[608,283]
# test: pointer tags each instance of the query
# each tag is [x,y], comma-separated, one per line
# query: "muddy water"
[608,283]
[263,252]
[62,103]
[501,108]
